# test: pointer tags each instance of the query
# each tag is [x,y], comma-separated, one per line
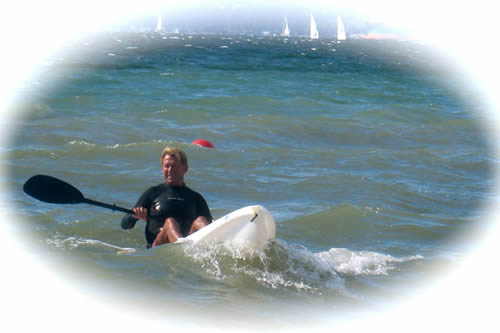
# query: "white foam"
[289,266]
[75,242]
[81,142]
[362,262]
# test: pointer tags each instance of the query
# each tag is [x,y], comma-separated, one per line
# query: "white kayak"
[251,226]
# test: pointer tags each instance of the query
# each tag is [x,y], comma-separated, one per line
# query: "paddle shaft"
[105,205]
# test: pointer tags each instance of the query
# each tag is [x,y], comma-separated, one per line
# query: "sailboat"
[340,30]
[159,24]
[313,29]
[286,30]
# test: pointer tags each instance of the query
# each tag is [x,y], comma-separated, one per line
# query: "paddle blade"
[52,190]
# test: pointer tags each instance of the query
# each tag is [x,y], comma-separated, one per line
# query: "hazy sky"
[242,17]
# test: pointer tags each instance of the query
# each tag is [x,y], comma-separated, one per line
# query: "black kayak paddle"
[53,190]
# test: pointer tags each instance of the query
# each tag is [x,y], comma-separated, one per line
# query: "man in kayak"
[171,209]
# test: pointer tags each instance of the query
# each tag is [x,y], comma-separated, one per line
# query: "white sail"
[313,31]
[340,30]
[159,24]
[286,30]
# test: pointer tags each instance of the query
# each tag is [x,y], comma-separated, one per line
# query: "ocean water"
[371,156]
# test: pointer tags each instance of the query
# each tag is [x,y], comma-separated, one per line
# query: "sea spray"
[283,265]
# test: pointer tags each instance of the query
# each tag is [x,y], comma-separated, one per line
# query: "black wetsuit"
[163,201]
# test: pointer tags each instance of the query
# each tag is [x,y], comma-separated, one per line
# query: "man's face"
[173,170]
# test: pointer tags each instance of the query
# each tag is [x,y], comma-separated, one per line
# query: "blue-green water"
[372,165]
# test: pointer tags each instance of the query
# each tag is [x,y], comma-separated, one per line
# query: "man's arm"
[140,212]
[203,209]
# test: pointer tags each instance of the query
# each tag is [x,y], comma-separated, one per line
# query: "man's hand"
[140,213]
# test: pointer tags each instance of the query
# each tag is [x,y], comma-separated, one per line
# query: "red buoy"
[203,143]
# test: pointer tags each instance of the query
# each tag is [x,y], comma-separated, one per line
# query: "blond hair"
[178,153]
